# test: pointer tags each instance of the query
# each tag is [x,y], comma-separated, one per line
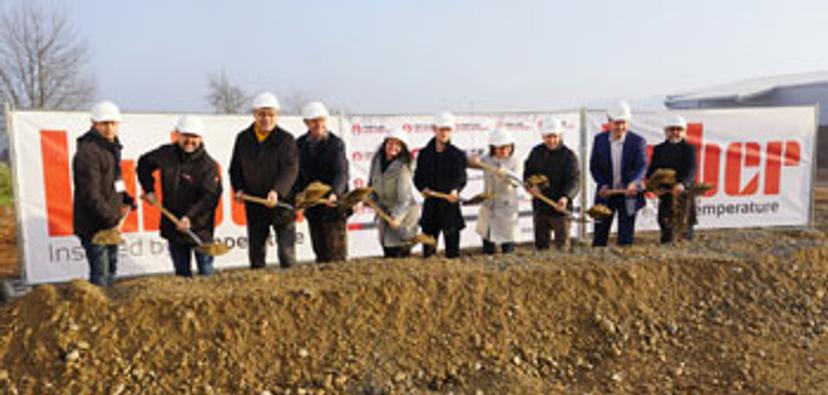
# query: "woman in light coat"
[498,220]
[391,177]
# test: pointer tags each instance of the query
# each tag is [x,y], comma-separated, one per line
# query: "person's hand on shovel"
[678,189]
[150,198]
[563,201]
[632,189]
[183,224]
[239,196]
[394,223]
[453,196]
[604,191]
[272,199]
[331,202]
[533,190]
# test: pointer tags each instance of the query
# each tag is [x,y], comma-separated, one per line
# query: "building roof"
[752,88]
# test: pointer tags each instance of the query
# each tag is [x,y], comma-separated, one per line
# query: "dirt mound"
[733,312]
[714,316]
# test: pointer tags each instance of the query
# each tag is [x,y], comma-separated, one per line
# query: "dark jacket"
[190,186]
[96,167]
[560,166]
[441,172]
[680,157]
[258,168]
[633,164]
[324,161]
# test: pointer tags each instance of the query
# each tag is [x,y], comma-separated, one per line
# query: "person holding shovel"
[190,187]
[497,223]
[100,198]
[618,163]
[558,166]
[391,177]
[676,207]
[322,159]
[264,165]
[441,168]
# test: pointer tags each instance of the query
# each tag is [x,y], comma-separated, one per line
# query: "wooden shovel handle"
[491,169]
[256,199]
[440,195]
[164,211]
[382,214]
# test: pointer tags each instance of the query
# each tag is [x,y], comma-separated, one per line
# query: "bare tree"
[224,96]
[293,102]
[42,60]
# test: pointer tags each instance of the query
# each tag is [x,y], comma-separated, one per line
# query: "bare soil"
[736,311]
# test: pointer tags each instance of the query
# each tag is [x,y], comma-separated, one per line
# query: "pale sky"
[422,56]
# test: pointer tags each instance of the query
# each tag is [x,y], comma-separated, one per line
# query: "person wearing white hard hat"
[556,162]
[441,167]
[618,163]
[676,208]
[190,187]
[391,176]
[100,197]
[265,164]
[322,159]
[497,222]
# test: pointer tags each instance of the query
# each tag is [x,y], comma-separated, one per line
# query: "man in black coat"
[559,164]
[441,167]
[322,158]
[100,197]
[678,155]
[265,164]
[190,188]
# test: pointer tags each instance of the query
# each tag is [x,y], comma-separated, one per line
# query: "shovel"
[419,238]
[211,249]
[312,195]
[476,199]
[264,202]
[111,236]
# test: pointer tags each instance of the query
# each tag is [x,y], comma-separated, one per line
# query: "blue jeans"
[103,262]
[181,253]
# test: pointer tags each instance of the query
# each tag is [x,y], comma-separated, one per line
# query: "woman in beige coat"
[498,220]
[391,177]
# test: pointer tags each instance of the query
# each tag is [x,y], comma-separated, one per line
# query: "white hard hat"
[398,134]
[265,100]
[106,111]
[551,125]
[501,137]
[621,112]
[444,119]
[190,124]
[675,120]
[314,110]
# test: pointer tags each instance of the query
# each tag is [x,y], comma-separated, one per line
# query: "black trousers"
[491,248]
[329,238]
[259,221]
[676,218]
[626,225]
[451,238]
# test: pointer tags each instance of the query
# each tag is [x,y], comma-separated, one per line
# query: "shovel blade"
[213,249]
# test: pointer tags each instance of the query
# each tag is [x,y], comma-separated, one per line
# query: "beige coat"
[498,220]
[395,191]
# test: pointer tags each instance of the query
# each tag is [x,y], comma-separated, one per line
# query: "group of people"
[270,170]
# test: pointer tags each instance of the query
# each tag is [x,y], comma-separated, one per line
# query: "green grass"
[6,195]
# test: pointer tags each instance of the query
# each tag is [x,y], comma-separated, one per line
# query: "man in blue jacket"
[618,163]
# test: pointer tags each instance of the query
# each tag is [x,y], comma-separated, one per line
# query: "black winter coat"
[560,166]
[258,168]
[680,157]
[190,186]
[441,172]
[324,161]
[96,167]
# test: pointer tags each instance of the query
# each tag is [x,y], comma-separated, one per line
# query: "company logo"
[57,183]
[744,165]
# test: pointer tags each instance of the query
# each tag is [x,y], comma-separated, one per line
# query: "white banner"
[760,160]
